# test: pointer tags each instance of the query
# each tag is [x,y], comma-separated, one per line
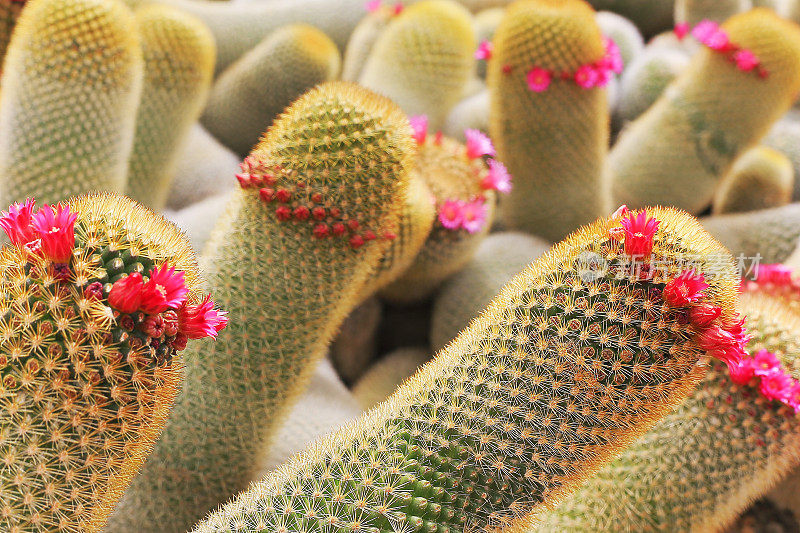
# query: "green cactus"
[453,176]
[356,344]
[558,185]
[71,84]
[382,378]
[9,13]
[692,12]
[423,59]
[251,92]
[497,260]
[677,151]
[785,137]
[87,383]
[528,401]
[363,40]
[761,178]
[729,443]
[287,259]
[646,78]
[179,54]
[771,234]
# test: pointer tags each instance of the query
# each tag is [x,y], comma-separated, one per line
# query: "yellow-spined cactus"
[485,24]
[576,357]
[761,178]
[9,13]
[179,54]
[721,105]
[363,40]
[288,260]
[71,83]
[250,93]
[382,378]
[97,299]
[552,133]
[785,138]
[471,113]
[424,59]
[646,77]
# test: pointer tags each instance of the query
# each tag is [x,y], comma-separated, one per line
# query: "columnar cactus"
[288,260]
[785,137]
[179,54]
[577,356]
[471,113]
[424,59]
[9,13]
[97,298]
[485,24]
[650,16]
[71,84]
[544,86]
[364,37]
[771,234]
[761,178]
[198,220]
[497,260]
[692,12]
[250,93]
[744,79]
[463,185]
[623,32]
[646,78]
[383,377]
[731,441]
[356,344]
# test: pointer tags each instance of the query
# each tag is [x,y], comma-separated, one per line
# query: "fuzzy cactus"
[650,16]
[485,24]
[179,54]
[564,369]
[250,93]
[770,234]
[9,13]
[558,185]
[623,32]
[382,378]
[71,84]
[288,259]
[692,12]
[464,186]
[198,220]
[499,258]
[471,113]
[785,137]
[761,178]
[646,78]
[97,298]
[744,79]
[730,441]
[423,59]
[363,40]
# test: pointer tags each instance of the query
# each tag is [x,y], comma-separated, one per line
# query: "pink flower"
[198,321]
[372,5]
[419,123]
[639,233]
[765,362]
[793,399]
[450,214]
[586,76]
[498,177]
[126,293]
[398,8]
[620,212]
[613,58]
[776,385]
[685,289]
[718,41]
[774,273]
[166,289]
[16,222]
[746,60]
[56,230]
[704,30]
[742,372]
[473,215]
[703,315]
[478,144]
[484,50]
[681,30]
[722,345]
[539,79]
[603,77]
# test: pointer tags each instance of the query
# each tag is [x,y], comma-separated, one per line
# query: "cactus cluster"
[760,179]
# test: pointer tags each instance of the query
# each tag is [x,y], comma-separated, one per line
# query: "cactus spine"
[729,442]
[559,186]
[179,54]
[761,178]
[86,387]
[288,260]
[250,93]
[71,84]
[677,151]
[532,398]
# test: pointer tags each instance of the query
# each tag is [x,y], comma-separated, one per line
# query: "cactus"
[528,401]
[623,32]
[423,59]
[250,93]
[457,179]
[485,24]
[288,259]
[645,79]
[71,83]
[363,40]
[497,260]
[470,113]
[202,170]
[677,151]
[383,377]
[356,345]
[9,13]
[198,220]
[761,178]
[559,186]
[90,360]
[650,16]
[728,441]
[785,137]
[179,54]
[692,12]
[771,234]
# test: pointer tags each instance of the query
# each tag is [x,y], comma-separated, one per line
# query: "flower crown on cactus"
[469,215]
[709,34]
[156,306]
[588,76]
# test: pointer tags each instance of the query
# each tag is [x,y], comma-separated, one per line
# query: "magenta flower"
[765,362]
[587,76]
[639,232]
[742,372]
[372,5]
[685,289]
[613,58]
[166,289]
[199,321]
[774,273]
[746,60]
[776,385]
[681,30]
[16,222]
[419,124]
[484,50]
[703,315]
[56,231]
[478,144]
[126,293]
[498,177]
[539,79]
[473,215]
[450,214]
[704,30]
[718,41]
